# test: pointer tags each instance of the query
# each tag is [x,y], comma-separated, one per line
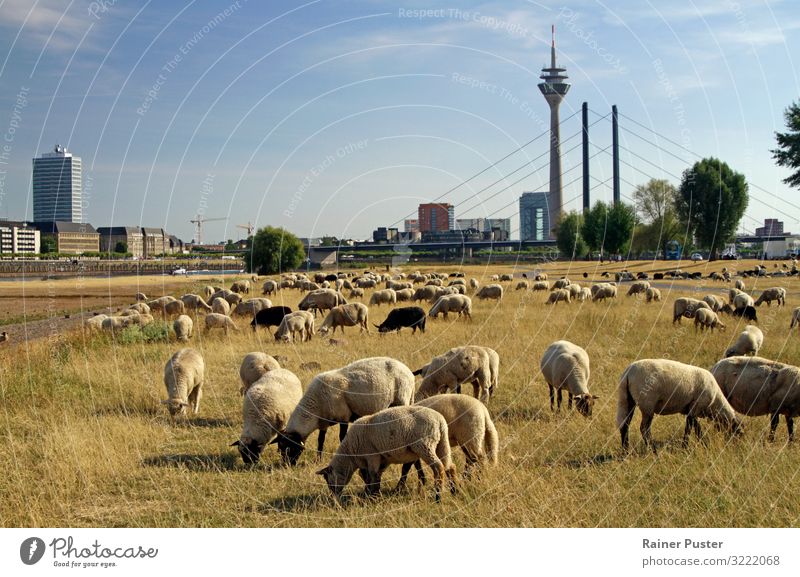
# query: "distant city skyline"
[332,119]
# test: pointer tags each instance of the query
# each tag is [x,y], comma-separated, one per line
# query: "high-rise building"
[436,217]
[502,224]
[534,218]
[471,224]
[57,187]
[554,88]
[411,225]
[772,227]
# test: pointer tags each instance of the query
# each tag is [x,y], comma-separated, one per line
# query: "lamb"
[397,435]
[218,321]
[254,366]
[348,315]
[706,318]
[558,295]
[686,307]
[342,395]
[294,323]
[714,302]
[748,342]
[667,387]
[755,386]
[795,318]
[490,291]
[638,287]
[183,326]
[322,299]
[386,296]
[603,291]
[194,302]
[468,364]
[266,408]
[522,285]
[460,304]
[183,377]
[220,306]
[652,294]
[541,285]
[269,288]
[565,365]
[356,293]
[772,294]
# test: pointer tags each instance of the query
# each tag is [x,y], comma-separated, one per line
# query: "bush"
[157,332]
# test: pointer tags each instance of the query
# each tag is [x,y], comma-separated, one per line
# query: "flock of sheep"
[384,418]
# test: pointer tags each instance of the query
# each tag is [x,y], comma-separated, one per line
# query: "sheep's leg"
[569,400]
[194,399]
[558,400]
[321,441]
[644,428]
[773,424]
[476,390]
[552,398]
[790,427]
[688,430]
[433,461]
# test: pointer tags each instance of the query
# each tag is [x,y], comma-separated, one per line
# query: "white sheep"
[220,306]
[183,377]
[268,403]
[183,326]
[140,308]
[652,294]
[396,435]
[739,284]
[755,386]
[219,321]
[468,364]
[743,300]
[795,318]
[193,302]
[748,342]
[714,302]
[565,366]
[474,284]
[522,285]
[541,285]
[638,287]
[584,294]
[340,396]
[349,315]
[772,294]
[141,297]
[686,307]
[574,290]
[250,308]
[356,293]
[706,318]
[320,300]
[114,324]
[667,387]
[292,324]
[404,295]
[269,287]
[254,366]
[383,297]
[558,295]
[95,323]
[603,291]
[490,291]
[459,304]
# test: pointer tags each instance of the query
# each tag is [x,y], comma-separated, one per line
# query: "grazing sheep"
[342,395]
[183,377]
[667,387]
[220,306]
[139,308]
[755,386]
[381,297]
[183,326]
[413,317]
[506,278]
[321,300]
[193,302]
[565,365]
[397,435]
[232,298]
[743,300]
[558,295]
[267,405]
[218,321]
[269,288]
[292,324]
[522,285]
[460,304]
[141,297]
[404,295]
[251,307]
[732,292]
[474,284]
[561,283]
[95,323]
[574,290]
[603,291]
[748,342]
[706,318]
[584,294]
[158,304]
[686,307]
[356,293]
[739,284]
[541,285]
[241,287]
[114,324]
[349,315]
[426,293]
[795,318]
[638,287]
[652,294]
[270,317]
[714,302]
[772,294]
[490,291]
[468,364]
[254,366]
[174,308]
[540,276]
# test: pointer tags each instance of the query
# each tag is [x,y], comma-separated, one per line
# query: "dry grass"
[87,443]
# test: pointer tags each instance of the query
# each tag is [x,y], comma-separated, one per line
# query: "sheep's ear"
[236,443]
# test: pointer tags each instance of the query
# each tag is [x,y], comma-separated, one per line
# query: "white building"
[57,187]
[18,238]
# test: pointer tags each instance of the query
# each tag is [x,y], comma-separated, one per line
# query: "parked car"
[178,271]
[696,256]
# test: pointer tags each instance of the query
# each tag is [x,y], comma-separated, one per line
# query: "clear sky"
[336,117]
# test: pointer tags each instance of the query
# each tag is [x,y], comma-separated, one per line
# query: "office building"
[70,237]
[57,187]
[131,236]
[18,238]
[436,217]
[534,218]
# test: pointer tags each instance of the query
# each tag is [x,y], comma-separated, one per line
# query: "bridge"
[466,246]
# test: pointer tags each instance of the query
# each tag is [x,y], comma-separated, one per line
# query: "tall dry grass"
[86,441]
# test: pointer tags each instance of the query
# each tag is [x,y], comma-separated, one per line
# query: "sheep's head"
[176,407]
[584,404]
[290,446]
[336,480]
[249,449]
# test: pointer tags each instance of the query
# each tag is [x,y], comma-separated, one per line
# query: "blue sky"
[336,117]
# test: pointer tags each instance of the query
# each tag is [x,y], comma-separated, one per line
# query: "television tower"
[554,88]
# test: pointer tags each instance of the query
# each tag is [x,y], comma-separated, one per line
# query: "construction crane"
[249,227]
[198,235]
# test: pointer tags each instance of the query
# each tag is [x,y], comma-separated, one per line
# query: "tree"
[788,152]
[329,241]
[654,200]
[47,245]
[121,247]
[568,236]
[711,200]
[621,220]
[274,250]
[593,229]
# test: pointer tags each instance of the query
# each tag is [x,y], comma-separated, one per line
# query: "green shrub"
[152,333]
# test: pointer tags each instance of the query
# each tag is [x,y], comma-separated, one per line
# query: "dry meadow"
[87,442]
